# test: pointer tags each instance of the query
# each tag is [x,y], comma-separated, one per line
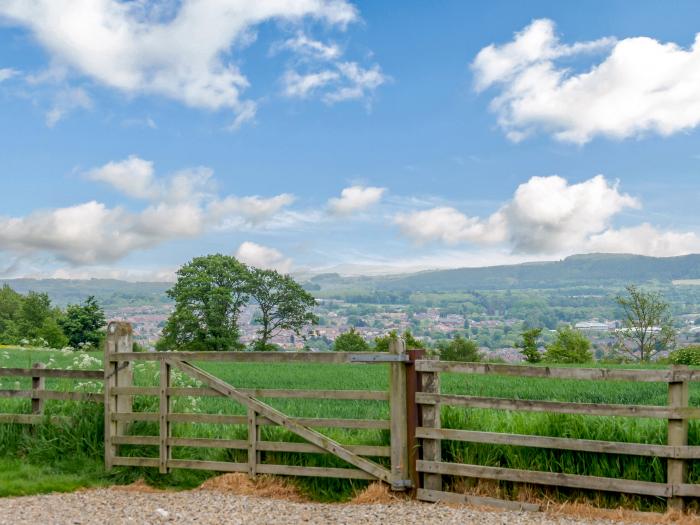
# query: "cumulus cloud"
[639,86]
[354,199]
[263,257]
[180,50]
[547,215]
[181,205]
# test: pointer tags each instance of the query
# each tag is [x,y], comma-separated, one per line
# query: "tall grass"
[82,441]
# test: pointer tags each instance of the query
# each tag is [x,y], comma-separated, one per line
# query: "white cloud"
[263,257]
[6,73]
[547,215]
[307,47]
[640,86]
[347,81]
[66,101]
[354,199]
[301,86]
[181,50]
[253,209]
[182,205]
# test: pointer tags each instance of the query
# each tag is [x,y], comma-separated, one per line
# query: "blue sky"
[360,136]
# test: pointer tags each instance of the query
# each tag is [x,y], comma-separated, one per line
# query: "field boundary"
[413,459]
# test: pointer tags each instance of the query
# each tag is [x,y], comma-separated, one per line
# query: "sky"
[330,135]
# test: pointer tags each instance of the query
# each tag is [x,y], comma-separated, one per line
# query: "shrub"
[689,355]
[459,349]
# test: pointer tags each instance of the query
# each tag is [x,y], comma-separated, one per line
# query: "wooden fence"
[412,461]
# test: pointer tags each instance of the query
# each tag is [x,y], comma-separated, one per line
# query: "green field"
[49,445]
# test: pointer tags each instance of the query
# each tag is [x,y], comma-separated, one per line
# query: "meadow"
[61,457]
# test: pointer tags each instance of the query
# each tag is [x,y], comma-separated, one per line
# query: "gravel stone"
[205,507]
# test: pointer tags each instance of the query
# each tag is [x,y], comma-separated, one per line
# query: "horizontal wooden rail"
[53,373]
[52,394]
[646,488]
[528,405]
[224,419]
[370,395]
[581,445]
[317,472]
[604,374]
[257,357]
[32,419]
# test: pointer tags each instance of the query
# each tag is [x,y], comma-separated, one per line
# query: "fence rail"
[415,401]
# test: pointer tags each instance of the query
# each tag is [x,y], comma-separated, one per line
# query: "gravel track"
[113,506]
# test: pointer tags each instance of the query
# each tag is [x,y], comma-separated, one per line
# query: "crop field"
[82,441]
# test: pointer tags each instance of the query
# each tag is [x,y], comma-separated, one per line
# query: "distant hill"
[585,270]
[577,270]
[110,293]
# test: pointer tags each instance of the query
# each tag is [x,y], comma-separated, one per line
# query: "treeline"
[31,320]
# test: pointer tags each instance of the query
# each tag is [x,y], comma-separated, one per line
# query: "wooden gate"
[119,392]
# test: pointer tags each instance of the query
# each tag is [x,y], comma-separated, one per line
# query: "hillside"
[577,270]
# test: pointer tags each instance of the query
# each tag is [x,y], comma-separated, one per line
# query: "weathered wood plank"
[677,469]
[256,357]
[52,372]
[215,419]
[437,496]
[398,418]
[279,418]
[370,395]
[254,457]
[316,472]
[285,446]
[57,395]
[522,440]
[322,422]
[134,462]
[600,374]
[548,478]
[32,419]
[528,405]
[38,385]
[135,416]
[430,416]
[165,454]
[136,440]
[208,443]
[218,466]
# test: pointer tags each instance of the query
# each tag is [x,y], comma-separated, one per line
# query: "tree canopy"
[350,341]
[82,323]
[283,305]
[528,345]
[459,349]
[569,346]
[647,328]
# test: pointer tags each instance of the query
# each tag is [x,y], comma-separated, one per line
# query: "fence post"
[164,409]
[116,374]
[253,438]
[399,417]
[677,432]
[430,418]
[412,416]
[38,385]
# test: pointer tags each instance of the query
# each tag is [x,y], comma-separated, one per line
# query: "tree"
[350,342]
[381,344]
[283,304]
[528,345]
[82,323]
[36,308]
[208,294]
[569,346]
[459,349]
[647,327]
[10,312]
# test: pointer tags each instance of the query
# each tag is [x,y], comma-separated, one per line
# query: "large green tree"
[10,313]
[647,327]
[82,323]
[208,294]
[283,305]
[569,346]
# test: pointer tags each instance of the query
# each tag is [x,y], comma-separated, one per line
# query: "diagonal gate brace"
[277,417]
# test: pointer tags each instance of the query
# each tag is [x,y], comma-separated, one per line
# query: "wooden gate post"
[117,374]
[413,411]
[677,432]
[165,454]
[399,417]
[38,385]
[253,439]
[430,418]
